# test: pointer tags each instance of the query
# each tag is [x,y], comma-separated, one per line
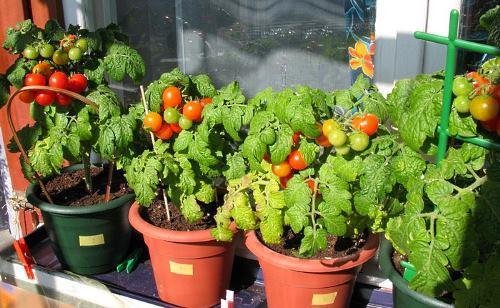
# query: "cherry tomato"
[328,126]
[496,93]
[82,44]
[359,141]
[490,125]
[77,83]
[285,180]
[310,183]
[343,150]
[63,100]
[295,137]
[75,54]
[323,141]
[30,52]
[35,80]
[296,160]
[45,97]
[27,96]
[205,101]
[175,128]
[58,80]
[165,132]
[462,104]
[171,97]
[282,170]
[461,86]
[46,50]
[153,121]
[185,123]
[267,158]
[60,57]
[498,127]
[368,124]
[171,115]
[483,108]
[192,111]
[43,68]
[337,137]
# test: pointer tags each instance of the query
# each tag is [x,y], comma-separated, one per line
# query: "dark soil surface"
[156,215]
[69,188]
[396,261]
[336,246]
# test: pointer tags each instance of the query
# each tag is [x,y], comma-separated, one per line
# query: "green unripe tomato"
[82,44]
[461,86]
[343,150]
[185,123]
[60,57]
[46,51]
[462,103]
[359,141]
[30,52]
[171,115]
[75,54]
[337,137]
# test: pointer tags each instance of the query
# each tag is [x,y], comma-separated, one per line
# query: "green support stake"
[451,57]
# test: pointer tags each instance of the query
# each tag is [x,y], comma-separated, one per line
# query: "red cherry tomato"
[205,101]
[323,141]
[267,158]
[192,111]
[63,100]
[295,137]
[368,124]
[285,180]
[77,83]
[171,97]
[27,96]
[36,79]
[296,160]
[58,80]
[165,132]
[175,128]
[45,97]
[310,183]
[282,170]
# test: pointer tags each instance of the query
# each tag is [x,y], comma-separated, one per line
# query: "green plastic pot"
[402,295]
[90,239]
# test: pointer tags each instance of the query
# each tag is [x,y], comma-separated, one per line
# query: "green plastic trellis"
[451,56]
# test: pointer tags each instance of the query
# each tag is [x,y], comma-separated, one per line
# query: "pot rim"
[312,265]
[150,230]
[385,261]
[31,196]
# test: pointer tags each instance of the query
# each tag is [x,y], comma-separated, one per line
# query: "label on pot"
[181,268]
[323,299]
[91,240]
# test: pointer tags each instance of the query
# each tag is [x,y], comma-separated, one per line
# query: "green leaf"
[235,166]
[280,150]
[47,156]
[461,124]
[143,176]
[4,90]
[20,37]
[312,242]
[16,73]
[205,193]
[122,59]
[190,209]
[376,179]
[334,222]
[107,101]
[406,165]
[347,170]
[309,150]
[271,226]
[242,212]
[204,85]
[28,136]
[53,31]
[94,70]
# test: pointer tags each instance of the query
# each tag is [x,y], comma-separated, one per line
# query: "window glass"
[262,43]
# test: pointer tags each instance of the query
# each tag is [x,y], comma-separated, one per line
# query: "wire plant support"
[451,57]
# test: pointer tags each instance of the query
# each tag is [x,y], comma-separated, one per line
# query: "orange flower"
[360,57]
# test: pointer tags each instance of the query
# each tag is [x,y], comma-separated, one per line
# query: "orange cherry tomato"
[296,160]
[323,141]
[153,121]
[192,111]
[368,124]
[205,101]
[43,68]
[171,97]
[165,132]
[282,170]
[175,128]
[484,108]
[310,183]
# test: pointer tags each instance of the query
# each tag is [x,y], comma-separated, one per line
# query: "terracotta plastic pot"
[86,239]
[191,268]
[295,283]
[402,295]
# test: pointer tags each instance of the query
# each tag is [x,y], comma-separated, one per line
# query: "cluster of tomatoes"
[176,114]
[332,134]
[43,75]
[70,48]
[477,96]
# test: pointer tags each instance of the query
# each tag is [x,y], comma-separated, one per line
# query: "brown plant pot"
[292,282]
[191,268]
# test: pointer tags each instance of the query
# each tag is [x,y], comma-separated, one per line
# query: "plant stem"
[313,206]
[86,170]
[474,174]
[111,166]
